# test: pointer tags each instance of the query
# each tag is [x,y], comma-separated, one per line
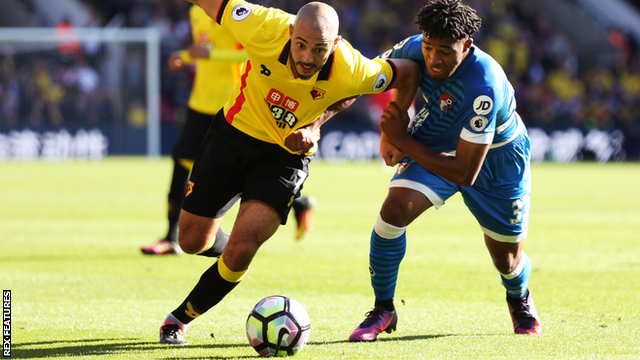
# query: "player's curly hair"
[448,18]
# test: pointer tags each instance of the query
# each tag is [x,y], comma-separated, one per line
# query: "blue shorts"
[500,197]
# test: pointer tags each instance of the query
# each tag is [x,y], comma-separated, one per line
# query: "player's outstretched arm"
[406,86]
[332,110]
[197,51]
[305,138]
[211,7]
[406,83]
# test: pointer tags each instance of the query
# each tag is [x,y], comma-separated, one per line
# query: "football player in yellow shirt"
[299,73]
[218,57]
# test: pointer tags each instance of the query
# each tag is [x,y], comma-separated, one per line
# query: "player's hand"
[175,63]
[198,51]
[300,141]
[389,152]
[394,123]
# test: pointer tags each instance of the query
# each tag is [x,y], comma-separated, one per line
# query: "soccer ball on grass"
[278,326]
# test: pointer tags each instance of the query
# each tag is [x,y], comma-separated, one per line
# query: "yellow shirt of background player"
[216,76]
[269,103]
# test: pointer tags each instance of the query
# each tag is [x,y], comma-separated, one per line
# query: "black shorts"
[232,165]
[192,135]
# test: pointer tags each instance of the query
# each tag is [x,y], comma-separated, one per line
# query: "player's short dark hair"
[448,18]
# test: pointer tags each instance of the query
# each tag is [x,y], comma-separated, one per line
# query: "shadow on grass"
[89,347]
[93,347]
[311,343]
[72,257]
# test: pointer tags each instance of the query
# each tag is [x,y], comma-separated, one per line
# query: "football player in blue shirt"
[468,138]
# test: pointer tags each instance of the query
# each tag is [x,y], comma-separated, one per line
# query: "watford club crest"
[189,188]
[317,93]
[446,100]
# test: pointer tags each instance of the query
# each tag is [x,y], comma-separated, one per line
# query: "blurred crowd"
[553,88]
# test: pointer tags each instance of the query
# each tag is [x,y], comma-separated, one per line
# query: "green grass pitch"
[69,252]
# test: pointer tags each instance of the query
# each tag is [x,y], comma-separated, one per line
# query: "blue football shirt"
[477,103]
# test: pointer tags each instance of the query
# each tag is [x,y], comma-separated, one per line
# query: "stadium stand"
[583,74]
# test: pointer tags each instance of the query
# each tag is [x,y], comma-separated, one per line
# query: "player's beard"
[308,76]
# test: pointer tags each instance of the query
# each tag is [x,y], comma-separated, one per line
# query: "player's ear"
[336,41]
[467,44]
[290,31]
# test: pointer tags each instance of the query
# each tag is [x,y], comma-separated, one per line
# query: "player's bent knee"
[189,247]
[403,205]
[190,244]
[505,262]
[395,213]
[195,232]
[504,265]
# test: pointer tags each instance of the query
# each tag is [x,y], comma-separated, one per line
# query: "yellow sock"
[228,275]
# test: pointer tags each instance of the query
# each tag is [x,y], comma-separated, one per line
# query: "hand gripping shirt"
[269,103]
[214,79]
[477,103]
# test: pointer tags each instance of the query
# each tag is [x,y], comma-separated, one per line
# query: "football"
[278,326]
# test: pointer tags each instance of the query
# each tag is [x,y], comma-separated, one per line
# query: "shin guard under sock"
[388,246]
[517,281]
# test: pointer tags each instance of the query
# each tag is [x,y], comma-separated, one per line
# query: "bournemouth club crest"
[446,100]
